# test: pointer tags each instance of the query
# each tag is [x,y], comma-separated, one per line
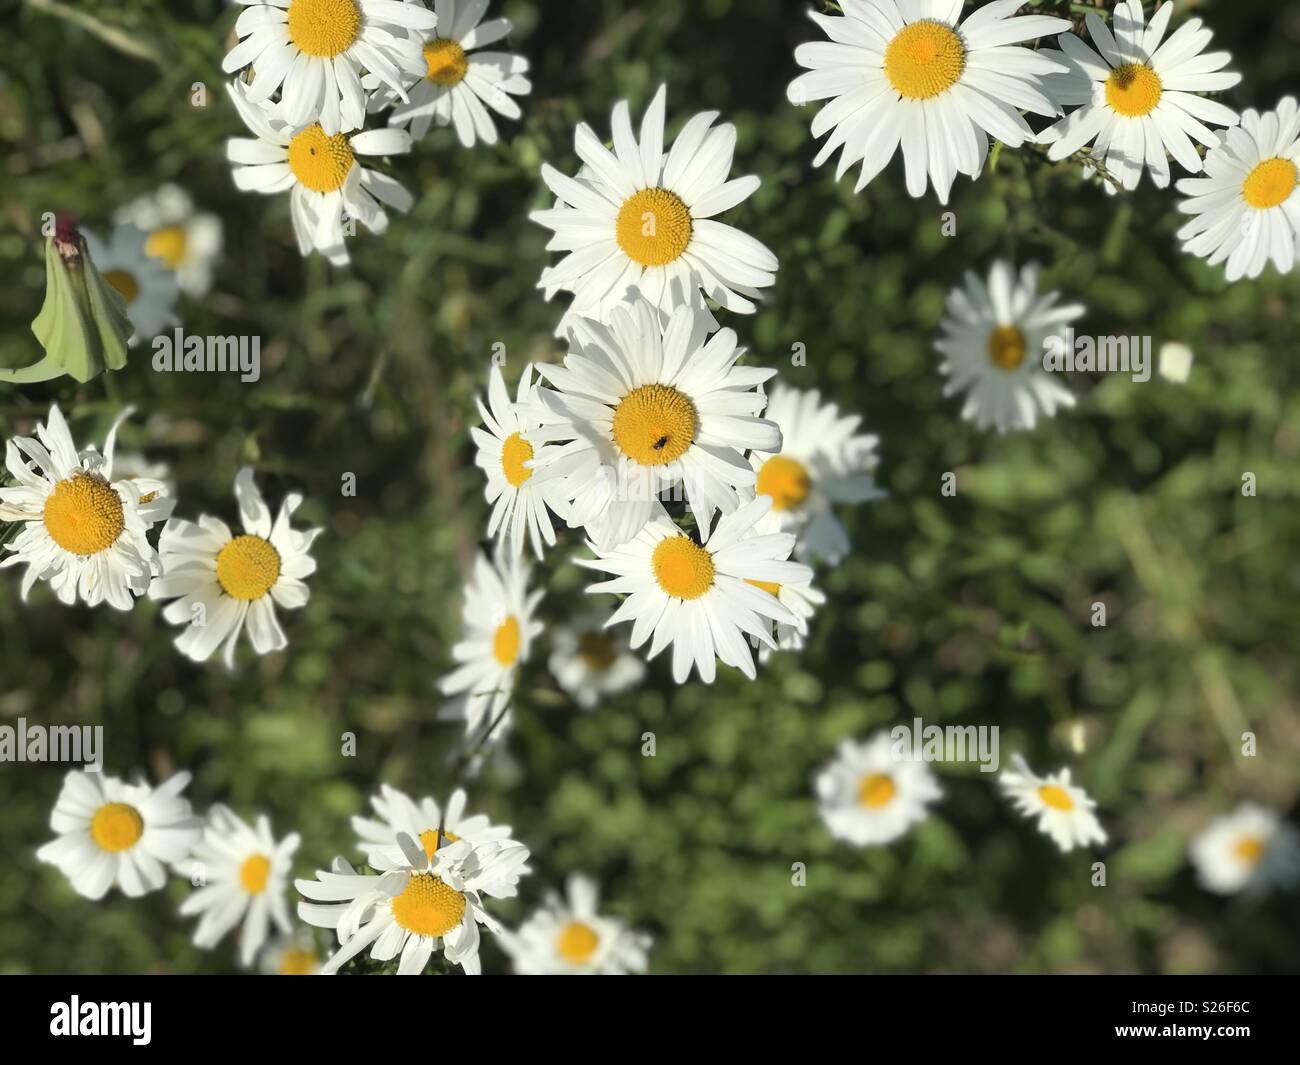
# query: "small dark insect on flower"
[661,443]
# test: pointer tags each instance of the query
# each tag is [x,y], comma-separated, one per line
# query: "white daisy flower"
[431,826]
[240,873]
[1064,810]
[647,407]
[911,75]
[1175,361]
[221,582]
[637,218]
[568,937]
[1139,97]
[1250,849]
[456,81]
[294,954]
[590,662]
[326,184]
[499,633]
[519,501]
[702,600]
[1247,208]
[113,834]
[415,907]
[147,287]
[83,531]
[313,52]
[801,599]
[184,240]
[994,336]
[870,794]
[823,461]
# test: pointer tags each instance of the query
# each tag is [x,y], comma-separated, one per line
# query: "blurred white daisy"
[1064,811]
[590,662]
[1175,361]
[414,907]
[1138,98]
[499,633]
[701,600]
[867,796]
[823,461]
[222,583]
[240,873]
[114,834]
[313,52]
[637,218]
[568,937]
[148,288]
[645,407]
[294,954]
[82,531]
[1251,849]
[457,81]
[994,337]
[328,188]
[912,75]
[1247,207]
[183,239]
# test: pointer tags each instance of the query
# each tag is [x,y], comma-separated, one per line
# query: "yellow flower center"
[770,587]
[428,907]
[254,872]
[84,515]
[876,790]
[1007,347]
[655,424]
[506,640]
[1056,797]
[298,962]
[324,27]
[786,480]
[116,827]
[1250,849]
[247,567]
[320,163]
[168,244]
[126,284]
[577,943]
[1133,90]
[514,453]
[924,59]
[446,61]
[654,227]
[1270,183]
[596,650]
[430,840]
[682,567]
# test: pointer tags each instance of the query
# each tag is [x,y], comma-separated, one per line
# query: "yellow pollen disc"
[1056,798]
[924,59]
[654,227]
[168,244]
[320,163]
[514,453]
[446,61]
[125,283]
[428,907]
[148,497]
[247,567]
[655,424]
[766,586]
[324,27]
[297,962]
[596,650]
[505,641]
[577,943]
[430,840]
[1007,347]
[1133,90]
[116,827]
[1249,849]
[254,872]
[1270,183]
[682,567]
[84,515]
[784,479]
[876,790]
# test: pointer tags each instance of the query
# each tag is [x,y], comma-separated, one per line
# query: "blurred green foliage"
[971,610]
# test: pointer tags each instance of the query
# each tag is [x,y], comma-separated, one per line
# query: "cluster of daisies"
[874,791]
[428,871]
[915,76]
[81,521]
